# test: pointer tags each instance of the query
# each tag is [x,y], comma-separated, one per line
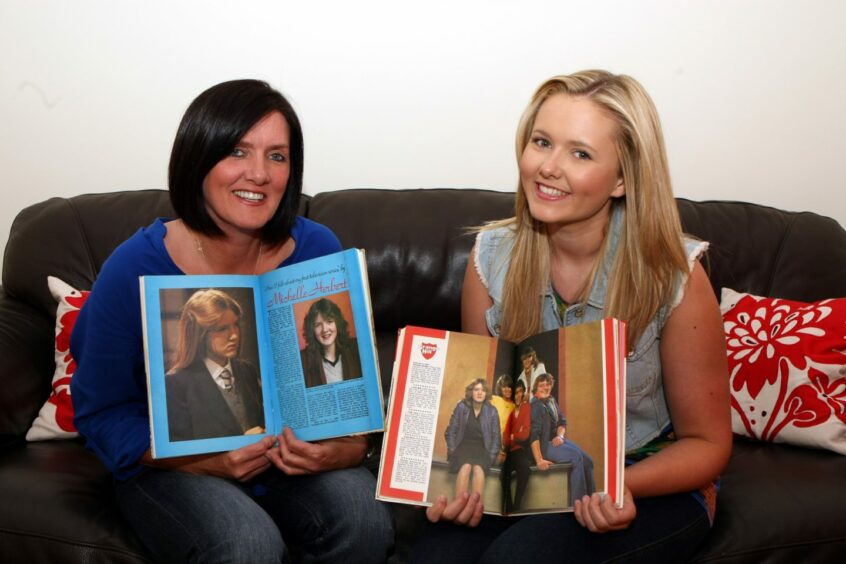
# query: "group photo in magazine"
[232,357]
[531,427]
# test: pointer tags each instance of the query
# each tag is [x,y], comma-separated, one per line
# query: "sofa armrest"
[26,365]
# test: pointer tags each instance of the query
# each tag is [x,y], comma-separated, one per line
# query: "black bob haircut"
[212,126]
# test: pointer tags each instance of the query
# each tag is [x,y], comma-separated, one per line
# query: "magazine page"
[228,356]
[424,454]
[615,331]
[322,347]
[557,401]
[189,412]
[576,432]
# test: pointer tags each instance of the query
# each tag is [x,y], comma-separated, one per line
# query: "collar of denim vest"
[596,298]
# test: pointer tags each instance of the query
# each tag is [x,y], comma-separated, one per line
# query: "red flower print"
[832,391]
[65,326]
[761,332]
[62,400]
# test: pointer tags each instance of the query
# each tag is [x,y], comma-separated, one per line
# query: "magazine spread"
[531,426]
[231,358]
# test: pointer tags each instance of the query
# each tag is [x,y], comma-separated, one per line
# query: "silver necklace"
[199,247]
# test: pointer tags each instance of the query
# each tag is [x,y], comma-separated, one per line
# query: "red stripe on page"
[398,395]
[611,454]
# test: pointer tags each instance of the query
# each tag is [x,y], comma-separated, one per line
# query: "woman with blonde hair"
[596,234]
[210,391]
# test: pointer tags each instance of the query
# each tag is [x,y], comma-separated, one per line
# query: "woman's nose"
[257,171]
[551,166]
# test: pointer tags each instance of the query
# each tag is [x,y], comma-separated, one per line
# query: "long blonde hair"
[203,310]
[650,256]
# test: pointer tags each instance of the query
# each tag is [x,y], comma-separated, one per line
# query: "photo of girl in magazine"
[213,388]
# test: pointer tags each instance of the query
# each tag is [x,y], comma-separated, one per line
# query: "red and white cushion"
[787,365]
[55,419]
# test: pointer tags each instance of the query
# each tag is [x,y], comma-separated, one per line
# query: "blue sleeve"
[109,388]
[312,240]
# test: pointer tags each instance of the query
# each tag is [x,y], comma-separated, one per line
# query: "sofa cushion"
[787,362]
[59,506]
[778,504]
[55,419]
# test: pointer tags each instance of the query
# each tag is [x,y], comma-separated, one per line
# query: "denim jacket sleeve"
[492,258]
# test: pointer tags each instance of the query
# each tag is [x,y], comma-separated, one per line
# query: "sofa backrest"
[416,243]
[769,252]
[71,238]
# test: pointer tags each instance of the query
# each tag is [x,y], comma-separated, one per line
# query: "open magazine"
[532,426]
[231,358]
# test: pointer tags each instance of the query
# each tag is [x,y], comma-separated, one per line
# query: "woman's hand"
[597,513]
[466,509]
[241,464]
[295,457]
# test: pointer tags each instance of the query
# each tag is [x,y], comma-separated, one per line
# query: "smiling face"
[325,331]
[243,190]
[224,338]
[569,169]
[544,389]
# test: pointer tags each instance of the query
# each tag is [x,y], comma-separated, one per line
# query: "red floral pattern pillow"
[55,419]
[787,365]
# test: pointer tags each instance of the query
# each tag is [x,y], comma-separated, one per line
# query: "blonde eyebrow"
[569,142]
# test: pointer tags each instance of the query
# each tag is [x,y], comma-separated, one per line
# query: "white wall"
[397,94]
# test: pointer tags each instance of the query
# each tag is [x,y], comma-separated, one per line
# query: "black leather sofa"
[778,503]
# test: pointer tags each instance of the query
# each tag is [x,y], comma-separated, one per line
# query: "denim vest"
[647,415]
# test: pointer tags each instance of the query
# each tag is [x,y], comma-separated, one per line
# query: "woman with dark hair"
[519,458]
[330,355]
[473,438]
[235,179]
[210,391]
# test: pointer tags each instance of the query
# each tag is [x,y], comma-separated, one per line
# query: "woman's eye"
[541,142]
[236,152]
[581,155]
[278,157]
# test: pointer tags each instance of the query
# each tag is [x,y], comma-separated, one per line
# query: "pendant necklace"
[199,248]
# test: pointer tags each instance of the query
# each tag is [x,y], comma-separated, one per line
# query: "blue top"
[647,415]
[109,387]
